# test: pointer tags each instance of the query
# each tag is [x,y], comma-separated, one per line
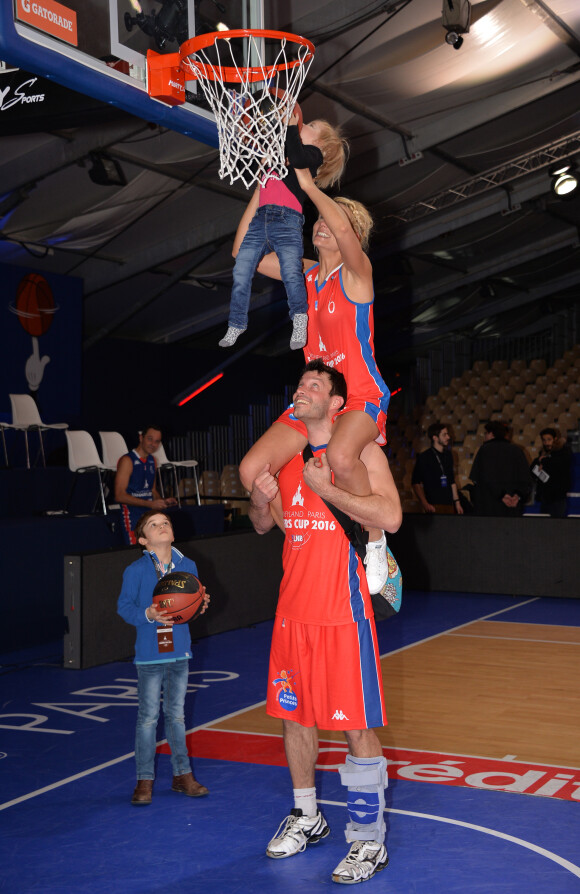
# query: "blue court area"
[67,775]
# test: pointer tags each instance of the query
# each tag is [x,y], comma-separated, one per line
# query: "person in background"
[500,475]
[433,477]
[135,487]
[552,472]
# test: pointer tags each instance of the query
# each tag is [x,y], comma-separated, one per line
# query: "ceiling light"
[454,40]
[564,179]
[456,17]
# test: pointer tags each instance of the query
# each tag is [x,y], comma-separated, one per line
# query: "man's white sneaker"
[377,567]
[362,861]
[295,832]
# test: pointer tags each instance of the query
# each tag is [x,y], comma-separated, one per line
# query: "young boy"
[161,657]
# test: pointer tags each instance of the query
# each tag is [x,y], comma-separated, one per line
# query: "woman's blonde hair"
[360,219]
[334,148]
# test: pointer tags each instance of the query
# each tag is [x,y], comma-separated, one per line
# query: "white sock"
[305,800]
[382,541]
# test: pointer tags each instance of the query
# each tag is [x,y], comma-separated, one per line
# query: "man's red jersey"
[324,580]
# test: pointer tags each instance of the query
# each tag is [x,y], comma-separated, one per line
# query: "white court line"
[49,788]
[550,855]
[118,760]
[451,630]
[519,639]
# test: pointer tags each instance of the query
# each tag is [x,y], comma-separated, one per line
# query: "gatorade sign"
[51,17]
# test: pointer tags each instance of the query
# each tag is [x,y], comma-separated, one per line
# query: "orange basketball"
[34,304]
[180,594]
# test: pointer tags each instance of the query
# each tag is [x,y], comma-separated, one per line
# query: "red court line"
[407,764]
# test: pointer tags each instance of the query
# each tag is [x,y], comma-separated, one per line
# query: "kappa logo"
[338,715]
[321,345]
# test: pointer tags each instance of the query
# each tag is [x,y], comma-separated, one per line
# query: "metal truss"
[493,178]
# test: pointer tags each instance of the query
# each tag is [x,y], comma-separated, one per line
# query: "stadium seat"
[520,420]
[113,447]
[561,364]
[543,420]
[567,421]
[209,487]
[539,366]
[472,443]
[459,431]
[553,410]
[83,456]
[508,392]
[25,417]
[518,383]
[530,432]
[163,462]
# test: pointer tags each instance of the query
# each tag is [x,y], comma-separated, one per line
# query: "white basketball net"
[252,108]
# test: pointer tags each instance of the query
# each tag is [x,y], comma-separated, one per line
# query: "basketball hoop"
[251,79]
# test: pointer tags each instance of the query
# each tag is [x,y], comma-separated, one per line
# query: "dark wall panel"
[516,556]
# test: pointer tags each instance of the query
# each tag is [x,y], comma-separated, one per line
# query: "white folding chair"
[164,463]
[114,447]
[83,456]
[25,417]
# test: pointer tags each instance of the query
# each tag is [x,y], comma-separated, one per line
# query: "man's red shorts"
[326,676]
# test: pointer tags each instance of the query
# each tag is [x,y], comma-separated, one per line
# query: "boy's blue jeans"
[174,676]
[273,228]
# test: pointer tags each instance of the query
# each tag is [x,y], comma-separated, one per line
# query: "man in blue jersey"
[135,487]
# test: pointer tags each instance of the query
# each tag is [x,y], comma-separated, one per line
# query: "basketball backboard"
[99,47]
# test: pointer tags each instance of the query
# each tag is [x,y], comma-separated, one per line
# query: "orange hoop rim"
[229,74]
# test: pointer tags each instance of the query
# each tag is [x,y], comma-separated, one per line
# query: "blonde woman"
[341,332]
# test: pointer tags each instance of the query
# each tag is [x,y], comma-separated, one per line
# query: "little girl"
[275,225]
